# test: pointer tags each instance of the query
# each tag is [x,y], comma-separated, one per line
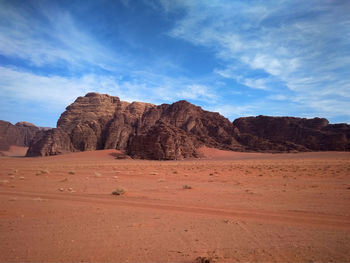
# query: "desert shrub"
[118,191]
[204,260]
[71,172]
[186,186]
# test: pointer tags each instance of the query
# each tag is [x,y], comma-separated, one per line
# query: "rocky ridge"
[20,134]
[175,131]
[264,133]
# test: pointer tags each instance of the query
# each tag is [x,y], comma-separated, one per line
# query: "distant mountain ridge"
[175,131]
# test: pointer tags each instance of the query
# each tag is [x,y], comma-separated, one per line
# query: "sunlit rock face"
[174,131]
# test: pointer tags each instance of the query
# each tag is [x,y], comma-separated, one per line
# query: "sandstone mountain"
[264,133]
[143,130]
[175,131]
[19,134]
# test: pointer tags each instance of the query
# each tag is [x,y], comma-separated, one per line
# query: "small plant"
[204,260]
[118,191]
[13,172]
[71,172]
[186,186]
[210,258]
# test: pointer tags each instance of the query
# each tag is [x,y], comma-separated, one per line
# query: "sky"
[239,58]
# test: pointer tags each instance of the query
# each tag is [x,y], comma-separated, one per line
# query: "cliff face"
[175,131]
[289,133]
[20,134]
[99,121]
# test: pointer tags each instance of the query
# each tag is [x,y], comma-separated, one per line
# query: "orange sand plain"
[241,207]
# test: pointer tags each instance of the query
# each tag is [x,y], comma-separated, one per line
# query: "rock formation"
[100,121]
[175,131]
[264,133]
[20,134]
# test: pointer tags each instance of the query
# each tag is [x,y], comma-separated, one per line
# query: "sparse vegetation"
[185,186]
[204,260]
[13,172]
[71,172]
[119,191]
[210,258]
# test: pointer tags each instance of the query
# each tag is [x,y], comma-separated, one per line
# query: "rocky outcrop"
[264,133]
[163,142]
[100,121]
[175,131]
[53,142]
[93,122]
[20,134]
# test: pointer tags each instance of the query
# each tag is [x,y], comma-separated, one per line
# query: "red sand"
[242,207]
[15,151]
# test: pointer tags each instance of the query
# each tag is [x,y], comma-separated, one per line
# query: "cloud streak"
[52,37]
[302,45]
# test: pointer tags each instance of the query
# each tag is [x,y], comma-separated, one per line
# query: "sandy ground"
[242,207]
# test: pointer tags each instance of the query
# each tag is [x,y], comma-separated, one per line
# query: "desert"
[181,131]
[137,182]
[227,206]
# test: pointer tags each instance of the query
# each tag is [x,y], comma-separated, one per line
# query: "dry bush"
[119,191]
[210,258]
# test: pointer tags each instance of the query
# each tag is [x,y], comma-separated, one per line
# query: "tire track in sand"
[283,217]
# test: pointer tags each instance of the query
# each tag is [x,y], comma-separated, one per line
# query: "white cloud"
[56,92]
[196,92]
[278,97]
[301,45]
[234,111]
[60,40]
[255,83]
[52,90]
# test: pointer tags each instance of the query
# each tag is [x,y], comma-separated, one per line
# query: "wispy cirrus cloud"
[54,93]
[54,59]
[51,37]
[238,57]
[303,46]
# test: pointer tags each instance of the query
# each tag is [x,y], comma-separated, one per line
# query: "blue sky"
[239,58]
